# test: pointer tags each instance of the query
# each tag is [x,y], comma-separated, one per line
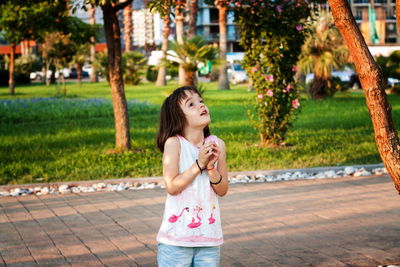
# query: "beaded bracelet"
[220,179]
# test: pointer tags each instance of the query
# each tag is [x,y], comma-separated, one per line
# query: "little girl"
[194,169]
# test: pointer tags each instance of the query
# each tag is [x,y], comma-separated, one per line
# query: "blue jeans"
[173,256]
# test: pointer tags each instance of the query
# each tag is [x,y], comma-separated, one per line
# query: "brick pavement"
[333,222]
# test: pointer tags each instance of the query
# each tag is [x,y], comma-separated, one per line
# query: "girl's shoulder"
[172,142]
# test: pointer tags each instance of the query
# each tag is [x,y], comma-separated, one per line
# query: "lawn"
[47,138]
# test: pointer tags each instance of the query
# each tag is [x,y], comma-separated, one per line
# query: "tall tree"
[27,20]
[92,21]
[113,39]
[323,52]
[192,52]
[162,70]
[372,82]
[110,9]
[222,5]
[164,7]
[179,38]
[128,28]
[193,9]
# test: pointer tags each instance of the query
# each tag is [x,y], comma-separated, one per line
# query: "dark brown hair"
[172,118]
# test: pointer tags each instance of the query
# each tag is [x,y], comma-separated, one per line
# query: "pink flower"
[299,27]
[294,68]
[260,96]
[279,8]
[270,93]
[288,87]
[295,104]
[238,3]
[269,78]
[253,69]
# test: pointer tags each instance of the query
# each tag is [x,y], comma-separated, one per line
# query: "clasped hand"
[208,155]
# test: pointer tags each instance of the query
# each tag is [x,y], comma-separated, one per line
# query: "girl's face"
[196,112]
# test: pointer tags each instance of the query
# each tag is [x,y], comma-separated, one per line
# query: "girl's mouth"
[204,113]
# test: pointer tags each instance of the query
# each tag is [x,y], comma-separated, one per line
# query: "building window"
[358,15]
[213,15]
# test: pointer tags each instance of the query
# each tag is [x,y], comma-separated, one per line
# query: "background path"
[330,222]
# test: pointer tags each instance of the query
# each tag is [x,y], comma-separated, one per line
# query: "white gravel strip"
[234,178]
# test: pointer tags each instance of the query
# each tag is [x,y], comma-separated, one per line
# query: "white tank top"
[192,218]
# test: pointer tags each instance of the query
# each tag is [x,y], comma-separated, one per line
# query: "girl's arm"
[176,182]
[215,174]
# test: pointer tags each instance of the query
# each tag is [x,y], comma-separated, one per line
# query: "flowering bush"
[272,33]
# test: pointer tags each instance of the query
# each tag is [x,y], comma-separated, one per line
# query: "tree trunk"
[179,39]
[223,83]
[92,21]
[162,71]
[250,87]
[398,19]
[47,68]
[53,74]
[372,82]
[194,8]
[190,77]
[64,88]
[128,27]
[25,48]
[79,72]
[11,80]
[113,39]
[319,87]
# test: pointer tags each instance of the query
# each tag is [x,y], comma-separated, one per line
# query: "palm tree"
[194,8]
[179,36]
[79,60]
[92,21]
[322,52]
[222,5]
[192,52]
[128,27]
[162,71]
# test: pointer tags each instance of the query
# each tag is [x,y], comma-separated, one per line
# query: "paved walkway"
[335,222]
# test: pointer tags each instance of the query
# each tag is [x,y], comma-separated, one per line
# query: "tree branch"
[120,6]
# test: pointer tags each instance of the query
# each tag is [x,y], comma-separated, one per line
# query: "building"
[146,28]
[377,20]
[146,25]
[208,26]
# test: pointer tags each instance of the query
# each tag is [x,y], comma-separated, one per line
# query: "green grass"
[65,139]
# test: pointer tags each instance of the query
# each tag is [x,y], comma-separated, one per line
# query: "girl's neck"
[196,137]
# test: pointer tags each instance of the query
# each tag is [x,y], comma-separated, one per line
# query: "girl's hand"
[216,151]
[205,152]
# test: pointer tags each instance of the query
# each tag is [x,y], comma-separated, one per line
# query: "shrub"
[272,33]
[133,64]
[151,73]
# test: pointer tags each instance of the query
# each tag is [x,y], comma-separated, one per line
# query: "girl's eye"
[190,104]
[202,101]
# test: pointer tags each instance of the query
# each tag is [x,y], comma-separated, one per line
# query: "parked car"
[344,76]
[236,74]
[74,74]
[38,75]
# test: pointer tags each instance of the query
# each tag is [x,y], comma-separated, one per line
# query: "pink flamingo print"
[174,218]
[211,220]
[194,224]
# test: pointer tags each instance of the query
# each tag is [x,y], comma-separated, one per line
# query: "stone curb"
[157,179]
